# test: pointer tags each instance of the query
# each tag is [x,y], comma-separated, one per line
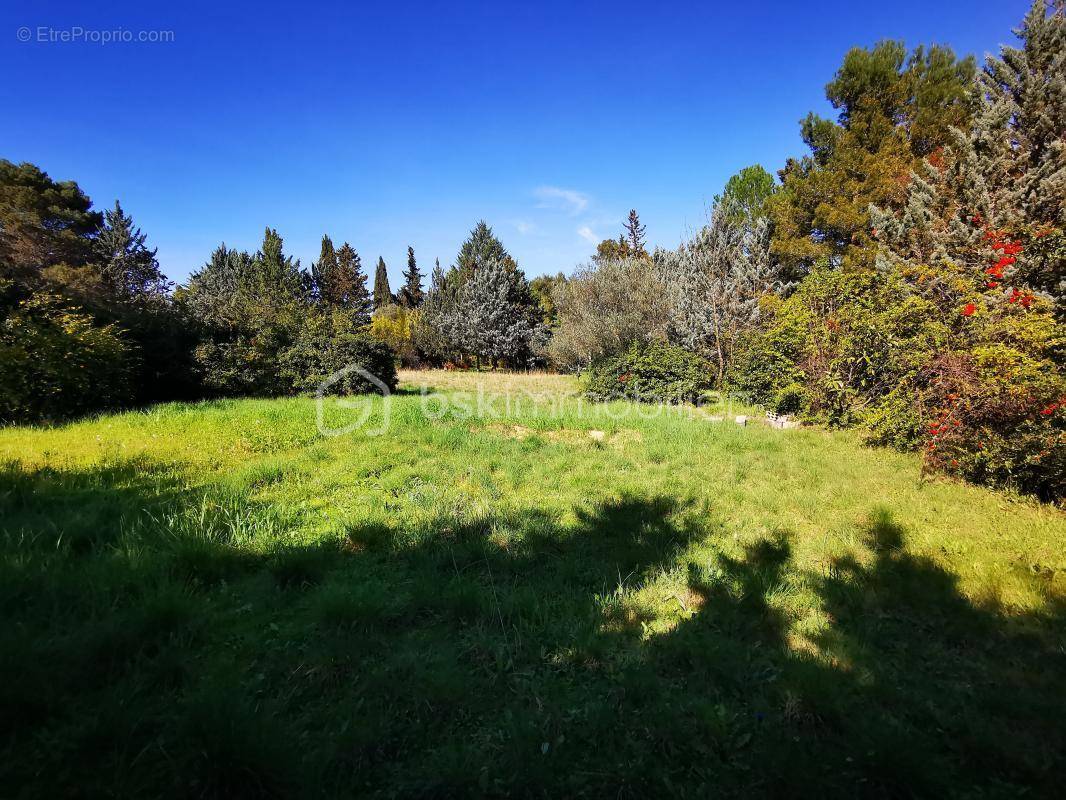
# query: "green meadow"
[495,588]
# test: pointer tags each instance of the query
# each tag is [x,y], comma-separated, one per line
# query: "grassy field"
[536,598]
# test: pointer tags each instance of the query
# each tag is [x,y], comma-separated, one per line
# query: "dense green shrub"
[329,348]
[55,363]
[844,337]
[245,363]
[650,373]
[996,415]
[906,351]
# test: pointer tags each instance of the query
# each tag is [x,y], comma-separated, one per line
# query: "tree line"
[907,275]
[90,322]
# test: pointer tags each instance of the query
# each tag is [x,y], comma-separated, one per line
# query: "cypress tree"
[279,275]
[325,273]
[492,318]
[411,295]
[382,292]
[353,292]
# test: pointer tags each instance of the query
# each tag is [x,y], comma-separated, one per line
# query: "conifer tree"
[1002,182]
[351,290]
[1026,86]
[382,292]
[635,234]
[715,282]
[411,295]
[612,250]
[745,194]
[481,246]
[893,110]
[129,267]
[435,332]
[279,277]
[324,272]
[489,322]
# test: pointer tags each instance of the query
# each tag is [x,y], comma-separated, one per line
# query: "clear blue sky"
[388,124]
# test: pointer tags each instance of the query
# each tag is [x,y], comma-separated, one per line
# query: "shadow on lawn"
[158,640]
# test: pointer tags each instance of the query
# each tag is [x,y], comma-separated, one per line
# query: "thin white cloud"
[569,200]
[524,226]
[585,232]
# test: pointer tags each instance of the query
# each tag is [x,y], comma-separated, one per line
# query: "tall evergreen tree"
[350,289]
[491,319]
[635,234]
[42,222]
[129,267]
[279,276]
[325,272]
[1001,183]
[481,246]
[436,333]
[382,292]
[745,194]
[612,250]
[716,282]
[411,295]
[1027,87]
[893,110]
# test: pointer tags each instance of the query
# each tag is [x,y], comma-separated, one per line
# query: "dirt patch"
[567,435]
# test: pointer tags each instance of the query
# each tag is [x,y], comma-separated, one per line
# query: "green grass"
[217,600]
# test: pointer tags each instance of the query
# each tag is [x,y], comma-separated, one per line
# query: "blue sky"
[388,124]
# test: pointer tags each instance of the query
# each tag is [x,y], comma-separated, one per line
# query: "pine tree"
[745,194]
[480,247]
[42,222]
[612,250]
[1005,175]
[129,268]
[324,272]
[351,289]
[411,295]
[382,292]
[279,277]
[635,234]
[488,321]
[893,110]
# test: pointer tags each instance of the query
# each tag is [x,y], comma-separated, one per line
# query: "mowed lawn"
[538,598]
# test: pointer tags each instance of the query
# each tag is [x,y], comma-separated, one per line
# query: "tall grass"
[556,598]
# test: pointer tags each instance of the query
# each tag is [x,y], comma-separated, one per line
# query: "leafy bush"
[923,358]
[996,415]
[603,309]
[846,337]
[329,346]
[650,373]
[245,363]
[394,325]
[55,363]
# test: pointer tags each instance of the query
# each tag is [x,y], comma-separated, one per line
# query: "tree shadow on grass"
[164,641]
